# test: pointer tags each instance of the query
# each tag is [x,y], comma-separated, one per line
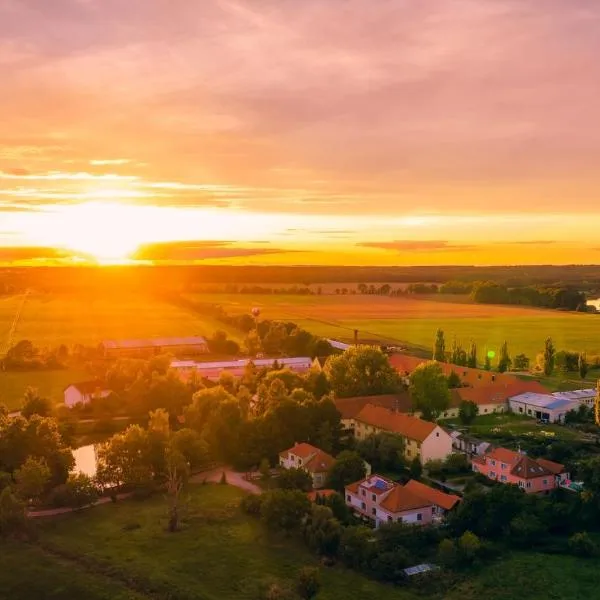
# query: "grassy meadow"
[123,551]
[414,321]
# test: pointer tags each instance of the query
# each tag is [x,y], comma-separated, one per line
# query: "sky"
[350,132]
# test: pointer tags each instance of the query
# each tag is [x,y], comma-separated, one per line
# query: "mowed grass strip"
[415,321]
[220,553]
[29,573]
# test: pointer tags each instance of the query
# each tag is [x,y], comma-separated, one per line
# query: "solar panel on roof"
[381,485]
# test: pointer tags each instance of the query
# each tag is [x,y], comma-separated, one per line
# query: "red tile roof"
[312,496]
[527,468]
[401,499]
[350,407]
[405,425]
[437,497]
[553,467]
[499,392]
[503,455]
[317,460]
[521,465]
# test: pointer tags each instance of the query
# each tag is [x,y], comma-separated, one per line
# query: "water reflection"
[85,460]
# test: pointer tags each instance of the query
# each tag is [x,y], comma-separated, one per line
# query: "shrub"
[308,582]
[77,492]
[223,479]
[251,505]
[580,544]
[447,553]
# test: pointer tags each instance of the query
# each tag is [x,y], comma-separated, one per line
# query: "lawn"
[28,573]
[220,553]
[49,384]
[51,320]
[414,321]
[532,576]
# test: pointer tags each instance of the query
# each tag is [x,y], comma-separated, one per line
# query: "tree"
[361,371]
[439,347]
[308,582]
[322,532]
[177,477]
[348,468]
[252,343]
[295,479]
[429,390]
[356,547]
[504,361]
[284,509]
[549,354]
[34,404]
[472,359]
[32,478]
[265,470]
[583,365]
[77,492]
[454,380]
[468,546]
[521,362]
[13,519]
[415,468]
[447,553]
[487,365]
[525,530]
[581,544]
[467,412]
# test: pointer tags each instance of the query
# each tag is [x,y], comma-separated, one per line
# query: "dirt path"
[233,478]
[54,512]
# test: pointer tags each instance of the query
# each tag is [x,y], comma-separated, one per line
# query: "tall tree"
[583,365]
[348,468]
[504,360]
[549,354]
[472,360]
[467,412]
[439,347]
[429,390]
[32,478]
[487,365]
[521,362]
[361,371]
[34,404]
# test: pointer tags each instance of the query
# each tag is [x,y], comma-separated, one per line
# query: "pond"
[85,460]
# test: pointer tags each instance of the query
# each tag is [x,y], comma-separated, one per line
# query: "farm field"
[50,384]
[220,553]
[413,322]
[51,320]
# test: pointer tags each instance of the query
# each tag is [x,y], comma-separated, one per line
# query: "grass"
[49,384]
[414,321]
[51,320]
[220,553]
[529,576]
[28,573]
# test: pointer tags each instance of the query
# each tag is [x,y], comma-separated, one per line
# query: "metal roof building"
[542,406]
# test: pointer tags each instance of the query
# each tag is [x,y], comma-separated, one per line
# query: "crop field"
[414,321]
[64,319]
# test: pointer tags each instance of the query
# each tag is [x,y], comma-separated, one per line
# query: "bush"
[251,505]
[447,553]
[77,492]
[580,544]
[308,582]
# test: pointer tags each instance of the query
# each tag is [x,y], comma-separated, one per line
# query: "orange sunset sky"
[361,132]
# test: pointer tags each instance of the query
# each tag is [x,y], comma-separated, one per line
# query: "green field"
[116,551]
[414,321]
[66,319]
[49,384]
[219,554]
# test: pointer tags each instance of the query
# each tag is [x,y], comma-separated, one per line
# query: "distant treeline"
[196,277]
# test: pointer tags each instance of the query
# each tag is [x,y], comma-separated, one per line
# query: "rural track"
[13,327]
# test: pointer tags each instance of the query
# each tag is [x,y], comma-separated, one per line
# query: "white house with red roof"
[84,392]
[310,458]
[382,501]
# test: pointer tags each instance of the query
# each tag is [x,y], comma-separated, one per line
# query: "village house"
[585,397]
[349,408]
[84,392]
[381,501]
[422,439]
[507,466]
[467,444]
[309,458]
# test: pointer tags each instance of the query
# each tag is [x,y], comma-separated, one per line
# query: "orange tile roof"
[320,462]
[405,425]
[437,497]
[527,468]
[350,407]
[553,467]
[302,450]
[401,499]
[503,455]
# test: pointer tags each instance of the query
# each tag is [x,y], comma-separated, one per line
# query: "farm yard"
[414,321]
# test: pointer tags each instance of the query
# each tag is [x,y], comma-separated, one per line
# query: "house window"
[374,497]
[493,378]
[521,484]
[485,410]
[545,482]
[528,411]
[363,506]
[445,414]
[437,434]
[502,477]
[348,498]
[433,510]
[493,463]
[528,484]
[373,511]
[503,465]
[419,517]
[363,492]
[520,409]
[493,474]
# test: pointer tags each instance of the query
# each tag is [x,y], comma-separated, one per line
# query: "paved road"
[233,478]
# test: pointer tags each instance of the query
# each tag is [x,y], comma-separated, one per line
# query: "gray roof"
[576,394]
[547,401]
[258,362]
[153,342]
